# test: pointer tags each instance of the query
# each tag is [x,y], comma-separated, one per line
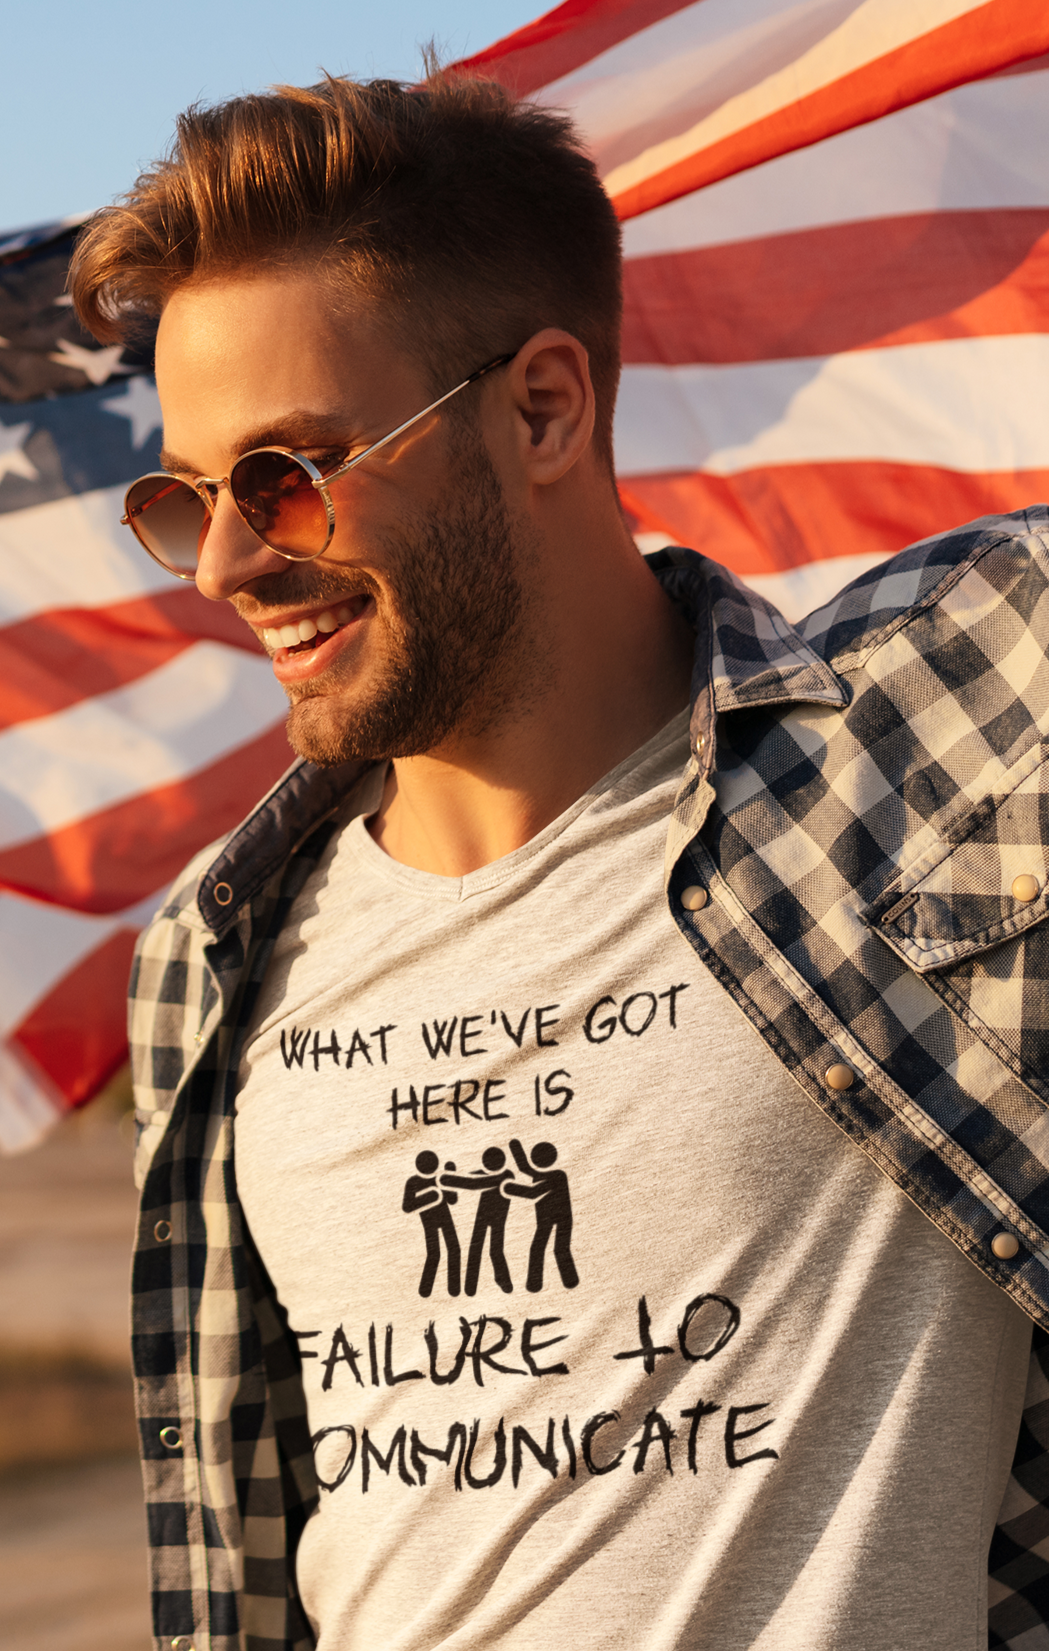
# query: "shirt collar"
[744,646]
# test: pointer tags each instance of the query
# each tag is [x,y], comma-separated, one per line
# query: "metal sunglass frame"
[207,487]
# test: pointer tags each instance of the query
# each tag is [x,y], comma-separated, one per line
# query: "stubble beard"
[454,621]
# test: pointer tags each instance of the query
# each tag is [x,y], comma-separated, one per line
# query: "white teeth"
[304,630]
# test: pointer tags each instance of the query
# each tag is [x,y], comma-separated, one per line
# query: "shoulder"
[970,578]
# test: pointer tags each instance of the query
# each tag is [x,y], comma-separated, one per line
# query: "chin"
[329,733]
[317,732]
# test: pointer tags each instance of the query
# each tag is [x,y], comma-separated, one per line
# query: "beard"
[453,631]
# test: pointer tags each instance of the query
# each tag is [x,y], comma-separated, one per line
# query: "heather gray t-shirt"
[610,1338]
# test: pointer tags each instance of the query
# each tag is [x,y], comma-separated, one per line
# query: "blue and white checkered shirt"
[866,809]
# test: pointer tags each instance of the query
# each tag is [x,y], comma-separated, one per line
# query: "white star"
[96,365]
[141,405]
[13,461]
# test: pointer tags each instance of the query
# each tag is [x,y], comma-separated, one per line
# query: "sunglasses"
[281,496]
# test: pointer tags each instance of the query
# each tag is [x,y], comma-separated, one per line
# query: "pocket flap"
[986,881]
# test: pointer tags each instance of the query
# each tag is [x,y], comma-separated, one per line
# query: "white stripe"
[980,147]
[872,30]
[803,589]
[72,553]
[663,79]
[57,769]
[41,943]
[963,403]
[27,1113]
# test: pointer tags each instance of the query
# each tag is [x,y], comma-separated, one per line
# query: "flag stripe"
[766,520]
[40,942]
[974,148]
[990,37]
[562,40]
[667,78]
[57,658]
[108,860]
[32,1105]
[72,552]
[76,1034]
[924,276]
[959,403]
[153,732]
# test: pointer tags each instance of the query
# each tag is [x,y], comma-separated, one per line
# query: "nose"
[230,556]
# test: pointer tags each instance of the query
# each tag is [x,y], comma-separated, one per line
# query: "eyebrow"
[300,431]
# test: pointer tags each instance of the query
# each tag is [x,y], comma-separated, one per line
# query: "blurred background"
[836,341]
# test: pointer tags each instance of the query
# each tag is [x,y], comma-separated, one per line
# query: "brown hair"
[478,218]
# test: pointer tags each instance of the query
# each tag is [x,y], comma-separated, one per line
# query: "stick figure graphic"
[422,1193]
[553,1212]
[492,1210]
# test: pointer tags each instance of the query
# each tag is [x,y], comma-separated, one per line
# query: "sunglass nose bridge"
[208,489]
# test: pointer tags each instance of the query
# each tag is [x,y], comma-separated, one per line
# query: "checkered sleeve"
[222,1415]
[878,881]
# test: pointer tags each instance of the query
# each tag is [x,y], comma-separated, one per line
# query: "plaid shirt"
[862,797]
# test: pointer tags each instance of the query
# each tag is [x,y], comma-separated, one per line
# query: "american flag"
[836,226]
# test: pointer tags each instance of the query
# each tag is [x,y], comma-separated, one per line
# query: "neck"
[610,666]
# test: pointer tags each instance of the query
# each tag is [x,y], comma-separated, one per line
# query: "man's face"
[413,622]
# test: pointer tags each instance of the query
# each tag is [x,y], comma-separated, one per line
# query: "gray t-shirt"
[610,1338]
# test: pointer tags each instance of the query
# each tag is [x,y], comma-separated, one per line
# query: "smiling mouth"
[307,634]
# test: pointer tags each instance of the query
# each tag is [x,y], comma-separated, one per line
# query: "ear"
[549,380]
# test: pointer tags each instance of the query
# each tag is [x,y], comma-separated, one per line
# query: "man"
[561,815]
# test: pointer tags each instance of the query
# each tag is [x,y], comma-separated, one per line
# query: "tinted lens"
[170,520]
[279,502]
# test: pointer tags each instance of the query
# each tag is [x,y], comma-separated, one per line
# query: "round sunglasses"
[281,496]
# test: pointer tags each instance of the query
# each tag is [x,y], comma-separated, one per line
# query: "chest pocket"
[971,918]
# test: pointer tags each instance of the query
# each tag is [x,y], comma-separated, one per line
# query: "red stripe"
[972,47]
[76,1036]
[64,655]
[118,856]
[841,287]
[563,40]
[774,519]
[1030,65]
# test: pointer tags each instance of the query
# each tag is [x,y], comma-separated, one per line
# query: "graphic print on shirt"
[432,1196]
[499,1216]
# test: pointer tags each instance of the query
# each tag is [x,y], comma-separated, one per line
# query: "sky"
[89,92]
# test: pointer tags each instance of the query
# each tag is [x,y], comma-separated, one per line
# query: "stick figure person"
[492,1210]
[553,1212]
[422,1193]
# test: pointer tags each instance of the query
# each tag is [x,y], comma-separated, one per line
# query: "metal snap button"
[1005,1246]
[840,1076]
[170,1438]
[223,893]
[162,1231]
[182,1643]
[1026,888]
[694,898]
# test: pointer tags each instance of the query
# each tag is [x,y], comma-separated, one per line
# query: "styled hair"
[472,218]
